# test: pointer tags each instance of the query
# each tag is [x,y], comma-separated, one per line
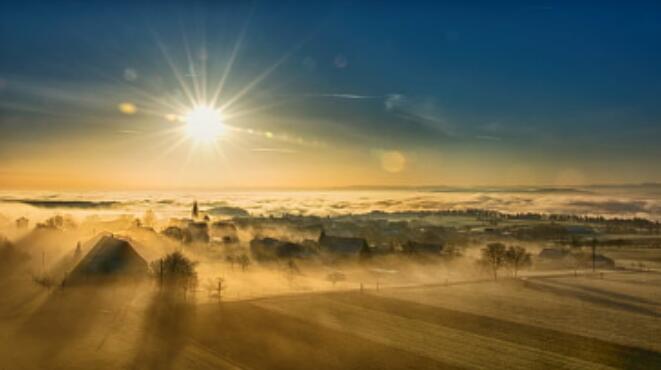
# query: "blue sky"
[552,86]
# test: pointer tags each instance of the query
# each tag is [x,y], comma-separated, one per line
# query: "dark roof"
[269,248]
[342,244]
[552,253]
[223,225]
[109,257]
[416,247]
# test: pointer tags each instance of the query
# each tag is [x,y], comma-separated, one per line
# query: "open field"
[552,322]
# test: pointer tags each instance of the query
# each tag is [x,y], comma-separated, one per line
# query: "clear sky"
[310,94]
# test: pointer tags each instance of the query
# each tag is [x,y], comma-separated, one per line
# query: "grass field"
[540,323]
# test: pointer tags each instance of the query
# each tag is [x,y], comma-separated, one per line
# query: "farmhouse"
[413,247]
[270,248]
[110,258]
[199,232]
[552,254]
[177,233]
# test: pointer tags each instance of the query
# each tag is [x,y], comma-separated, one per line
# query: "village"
[202,285]
[375,240]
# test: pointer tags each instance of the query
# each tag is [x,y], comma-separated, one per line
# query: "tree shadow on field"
[67,318]
[164,333]
[604,292]
[590,298]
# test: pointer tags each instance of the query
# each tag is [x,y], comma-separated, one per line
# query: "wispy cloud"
[128,132]
[274,150]
[423,110]
[488,138]
[345,96]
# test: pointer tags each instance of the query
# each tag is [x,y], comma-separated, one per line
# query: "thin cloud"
[344,96]
[488,138]
[424,111]
[274,150]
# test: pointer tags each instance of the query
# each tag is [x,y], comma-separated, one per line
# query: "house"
[553,254]
[413,247]
[109,259]
[192,232]
[343,246]
[602,261]
[270,248]
[226,231]
[177,233]
[199,232]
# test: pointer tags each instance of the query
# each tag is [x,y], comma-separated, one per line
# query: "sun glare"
[204,124]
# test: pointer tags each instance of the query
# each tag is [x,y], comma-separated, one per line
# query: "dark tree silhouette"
[291,270]
[493,257]
[336,276]
[516,258]
[243,261]
[175,271]
[231,259]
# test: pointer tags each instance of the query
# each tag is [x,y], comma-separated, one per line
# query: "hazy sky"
[96,95]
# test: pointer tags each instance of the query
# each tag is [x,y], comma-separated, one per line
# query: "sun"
[204,124]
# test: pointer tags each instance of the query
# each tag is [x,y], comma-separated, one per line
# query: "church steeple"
[195,212]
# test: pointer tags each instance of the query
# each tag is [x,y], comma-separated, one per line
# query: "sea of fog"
[609,201]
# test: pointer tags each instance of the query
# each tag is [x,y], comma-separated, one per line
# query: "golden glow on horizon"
[203,124]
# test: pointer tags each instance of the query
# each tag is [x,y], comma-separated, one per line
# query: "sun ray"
[265,74]
[192,71]
[230,62]
[185,88]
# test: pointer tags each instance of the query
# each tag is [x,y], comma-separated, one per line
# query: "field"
[542,322]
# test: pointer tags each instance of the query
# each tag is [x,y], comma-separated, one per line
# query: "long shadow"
[64,320]
[604,292]
[165,332]
[572,345]
[563,292]
[255,337]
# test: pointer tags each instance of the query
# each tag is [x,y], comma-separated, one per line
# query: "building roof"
[109,257]
[552,253]
[417,247]
[342,244]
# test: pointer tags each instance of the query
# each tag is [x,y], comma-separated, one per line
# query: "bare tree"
[336,276]
[231,259]
[577,261]
[291,270]
[244,261]
[516,258]
[493,257]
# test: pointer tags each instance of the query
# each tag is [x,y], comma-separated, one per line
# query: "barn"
[110,258]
